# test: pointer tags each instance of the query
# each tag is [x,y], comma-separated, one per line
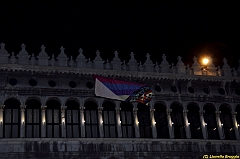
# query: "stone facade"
[48,108]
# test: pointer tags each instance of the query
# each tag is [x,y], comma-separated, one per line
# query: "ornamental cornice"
[112,73]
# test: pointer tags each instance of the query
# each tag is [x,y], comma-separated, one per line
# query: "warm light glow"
[172,123]
[120,122]
[205,61]
[206,124]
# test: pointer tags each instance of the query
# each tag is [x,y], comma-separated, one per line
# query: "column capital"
[63,108]
[185,112]
[234,113]
[2,106]
[43,107]
[168,111]
[217,113]
[23,106]
[100,110]
[81,108]
[135,110]
[117,110]
[201,112]
[152,110]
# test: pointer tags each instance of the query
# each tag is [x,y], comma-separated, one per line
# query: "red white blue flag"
[122,90]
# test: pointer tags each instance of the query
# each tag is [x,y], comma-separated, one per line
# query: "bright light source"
[205,61]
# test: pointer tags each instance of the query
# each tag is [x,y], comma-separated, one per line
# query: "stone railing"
[23,58]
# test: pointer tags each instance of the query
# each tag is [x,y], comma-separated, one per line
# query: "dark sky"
[178,29]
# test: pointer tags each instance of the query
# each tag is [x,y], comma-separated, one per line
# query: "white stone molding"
[235,125]
[219,125]
[22,121]
[43,125]
[1,120]
[136,122]
[186,124]
[153,123]
[82,120]
[170,127]
[203,124]
[63,121]
[100,121]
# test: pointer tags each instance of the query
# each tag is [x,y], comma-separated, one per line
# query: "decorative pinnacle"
[62,49]
[80,50]
[43,48]
[23,46]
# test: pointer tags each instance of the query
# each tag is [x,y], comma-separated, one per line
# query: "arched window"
[210,120]
[127,123]
[194,120]
[238,117]
[160,116]
[73,128]
[53,119]
[11,116]
[33,119]
[178,124]
[91,119]
[227,123]
[143,114]
[109,120]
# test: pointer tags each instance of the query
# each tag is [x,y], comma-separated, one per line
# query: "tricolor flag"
[122,90]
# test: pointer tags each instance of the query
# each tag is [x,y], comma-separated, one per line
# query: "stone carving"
[164,66]
[98,62]
[181,68]
[62,58]
[226,68]
[23,56]
[132,64]
[196,67]
[43,57]
[116,62]
[3,54]
[81,60]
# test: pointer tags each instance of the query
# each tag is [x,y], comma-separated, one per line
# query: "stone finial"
[23,55]
[108,65]
[81,60]
[196,67]
[43,57]
[98,62]
[124,66]
[211,69]
[62,58]
[116,62]
[181,68]
[226,68]
[132,64]
[164,65]
[157,69]
[12,58]
[33,59]
[149,64]
[71,62]
[53,60]
[3,54]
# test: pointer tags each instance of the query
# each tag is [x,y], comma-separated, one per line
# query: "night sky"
[185,29]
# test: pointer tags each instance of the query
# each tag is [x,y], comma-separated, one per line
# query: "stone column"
[219,125]
[235,125]
[63,121]
[153,123]
[203,124]
[22,124]
[119,128]
[186,124]
[82,121]
[1,120]
[170,128]
[100,120]
[43,132]
[136,123]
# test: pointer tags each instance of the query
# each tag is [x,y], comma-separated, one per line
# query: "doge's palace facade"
[48,108]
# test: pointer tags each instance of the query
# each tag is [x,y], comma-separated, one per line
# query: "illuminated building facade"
[48,108]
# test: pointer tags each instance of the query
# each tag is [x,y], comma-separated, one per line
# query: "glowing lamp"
[205,61]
